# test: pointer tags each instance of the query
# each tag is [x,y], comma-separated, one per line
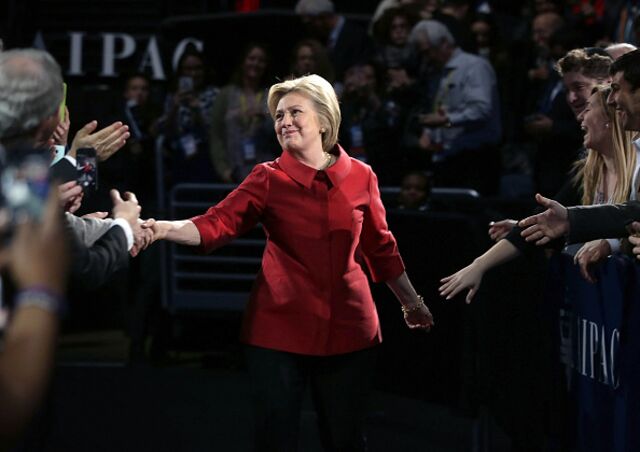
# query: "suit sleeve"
[88,230]
[601,222]
[93,266]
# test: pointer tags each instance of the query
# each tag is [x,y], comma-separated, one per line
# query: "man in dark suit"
[580,224]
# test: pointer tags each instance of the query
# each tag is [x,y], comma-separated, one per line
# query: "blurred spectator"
[392,38]
[459,123]
[586,17]
[38,260]
[241,132]
[415,191]
[455,15]
[552,125]
[310,57]
[625,27]
[133,167]
[347,42]
[187,120]
[359,102]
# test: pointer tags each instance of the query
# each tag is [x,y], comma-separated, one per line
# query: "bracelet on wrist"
[41,297]
[409,310]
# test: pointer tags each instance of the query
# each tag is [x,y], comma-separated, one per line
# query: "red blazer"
[311,295]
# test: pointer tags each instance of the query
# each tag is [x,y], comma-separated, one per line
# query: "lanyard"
[442,92]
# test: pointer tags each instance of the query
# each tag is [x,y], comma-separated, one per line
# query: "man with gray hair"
[458,120]
[346,42]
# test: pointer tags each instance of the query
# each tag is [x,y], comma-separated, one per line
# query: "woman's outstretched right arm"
[471,276]
[182,232]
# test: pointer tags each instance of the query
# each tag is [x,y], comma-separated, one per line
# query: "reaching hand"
[548,225]
[634,238]
[500,229]
[106,141]
[38,255]
[590,254]
[127,208]
[469,277]
[419,319]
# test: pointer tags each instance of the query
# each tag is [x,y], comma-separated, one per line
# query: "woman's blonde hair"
[321,93]
[590,170]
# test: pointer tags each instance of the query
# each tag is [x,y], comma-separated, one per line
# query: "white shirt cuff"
[614,244]
[71,159]
[128,232]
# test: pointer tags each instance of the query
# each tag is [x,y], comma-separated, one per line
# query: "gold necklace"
[327,161]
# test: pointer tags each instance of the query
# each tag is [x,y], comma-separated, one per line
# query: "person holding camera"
[186,122]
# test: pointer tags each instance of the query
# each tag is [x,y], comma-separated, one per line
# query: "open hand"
[106,141]
[548,225]
[590,254]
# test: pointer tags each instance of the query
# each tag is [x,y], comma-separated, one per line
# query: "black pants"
[340,388]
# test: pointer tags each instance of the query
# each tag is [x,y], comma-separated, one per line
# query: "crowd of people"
[430,95]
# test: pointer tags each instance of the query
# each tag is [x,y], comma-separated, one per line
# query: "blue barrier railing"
[599,345]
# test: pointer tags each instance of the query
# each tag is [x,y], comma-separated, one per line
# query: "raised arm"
[182,232]
[470,277]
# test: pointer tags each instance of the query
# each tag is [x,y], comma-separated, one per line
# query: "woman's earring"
[606,125]
[322,130]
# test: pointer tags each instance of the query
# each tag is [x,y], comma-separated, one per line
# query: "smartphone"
[24,186]
[63,104]
[185,84]
[87,169]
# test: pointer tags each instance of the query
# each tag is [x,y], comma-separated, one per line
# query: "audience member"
[310,57]
[460,123]
[605,176]
[580,224]
[391,34]
[186,123]
[346,42]
[241,127]
[37,259]
[415,191]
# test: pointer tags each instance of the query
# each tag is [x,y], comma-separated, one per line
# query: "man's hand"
[70,196]
[634,238]
[590,254]
[106,141]
[127,208]
[38,255]
[548,225]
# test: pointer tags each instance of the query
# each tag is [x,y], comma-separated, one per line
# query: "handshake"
[145,232]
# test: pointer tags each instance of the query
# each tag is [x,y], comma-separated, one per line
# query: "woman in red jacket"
[311,317]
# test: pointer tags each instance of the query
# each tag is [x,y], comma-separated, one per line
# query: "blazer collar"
[304,174]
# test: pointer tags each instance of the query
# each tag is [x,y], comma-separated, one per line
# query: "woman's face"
[192,66]
[255,64]
[305,61]
[596,125]
[297,124]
